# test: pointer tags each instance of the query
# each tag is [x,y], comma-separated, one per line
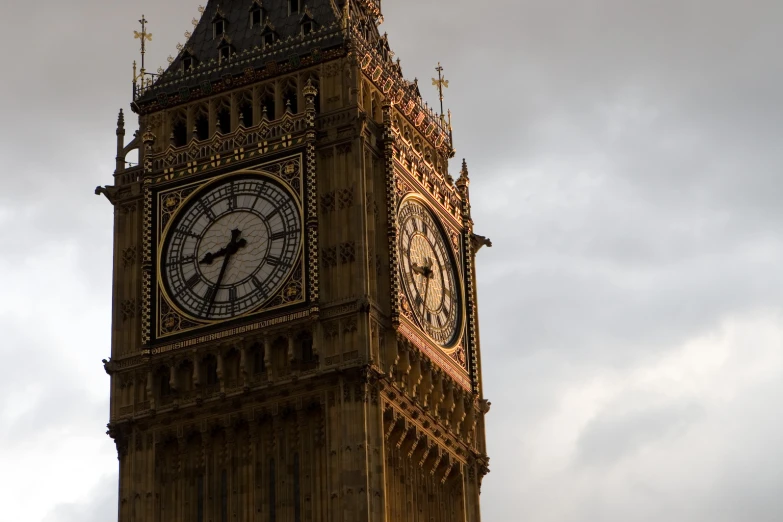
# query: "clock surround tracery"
[431,278]
[172,201]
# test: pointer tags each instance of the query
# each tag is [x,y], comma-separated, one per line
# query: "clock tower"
[295,326]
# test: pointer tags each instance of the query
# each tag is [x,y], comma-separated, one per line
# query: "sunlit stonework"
[295,322]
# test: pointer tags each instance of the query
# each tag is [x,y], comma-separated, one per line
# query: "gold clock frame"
[295,280]
[456,261]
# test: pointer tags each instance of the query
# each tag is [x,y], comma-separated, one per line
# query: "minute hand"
[219,280]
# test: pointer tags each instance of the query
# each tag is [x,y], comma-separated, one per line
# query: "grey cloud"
[625,161]
[617,432]
[101,506]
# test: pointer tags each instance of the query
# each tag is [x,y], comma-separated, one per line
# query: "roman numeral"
[232,198]
[274,261]
[232,296]
[209,296]
[187,233]
[281,235]
[271,214]
[180,261]
[190,283]
[206,209]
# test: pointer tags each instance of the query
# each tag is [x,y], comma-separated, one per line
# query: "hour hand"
[209,257]
[425,270]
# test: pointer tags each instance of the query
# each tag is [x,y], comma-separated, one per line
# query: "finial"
[463,180]
[148,137]
[309,89]
[144,36]
[121,120]
[440,83]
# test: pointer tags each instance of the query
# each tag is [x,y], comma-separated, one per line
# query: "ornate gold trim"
[222,334]
[455,344]
[186,322]
[437,354]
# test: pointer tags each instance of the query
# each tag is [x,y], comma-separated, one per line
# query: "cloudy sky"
[626,162]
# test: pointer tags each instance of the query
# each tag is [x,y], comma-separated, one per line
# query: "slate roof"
[247,41]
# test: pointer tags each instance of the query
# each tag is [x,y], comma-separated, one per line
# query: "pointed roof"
[247,40]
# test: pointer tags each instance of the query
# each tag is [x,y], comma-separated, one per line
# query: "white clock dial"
[428,273]
[231,247]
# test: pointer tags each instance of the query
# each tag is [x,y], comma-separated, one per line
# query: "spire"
[464,179]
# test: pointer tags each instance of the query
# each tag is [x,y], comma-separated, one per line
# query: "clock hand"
[426,290]
[217,285]
[418,269]
[230,249]
[209,257]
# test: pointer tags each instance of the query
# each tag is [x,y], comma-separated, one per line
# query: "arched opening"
[268,106]
[201,129]
[224,118]
[210,372]
[291,96]
[185,376]
[257,360]
[179,133]
[163,384]
[280,356]
[246,112]
[305,354]
[231,368]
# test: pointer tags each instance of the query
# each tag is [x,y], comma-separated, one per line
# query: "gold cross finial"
[440,83]
[145,37]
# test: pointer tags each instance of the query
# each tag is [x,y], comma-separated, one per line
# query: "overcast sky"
[625,158]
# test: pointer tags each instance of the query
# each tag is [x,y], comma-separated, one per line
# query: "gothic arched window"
[291,96]
[268,106]
[224,119]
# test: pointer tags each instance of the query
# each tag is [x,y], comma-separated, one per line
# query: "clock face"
[230,248]
[428,273]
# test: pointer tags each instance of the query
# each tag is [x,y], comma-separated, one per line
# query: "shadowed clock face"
[230,248]
[428,273]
